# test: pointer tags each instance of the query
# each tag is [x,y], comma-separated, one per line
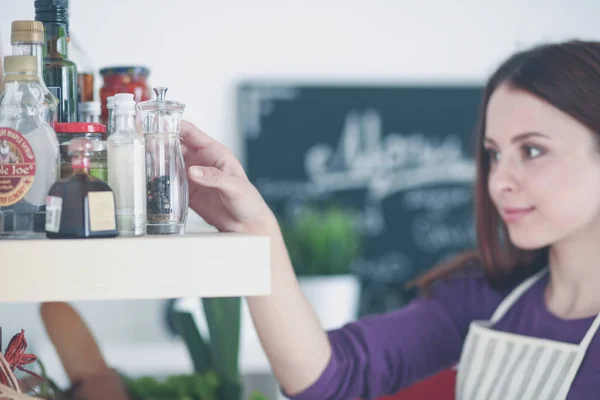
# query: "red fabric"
[438,387]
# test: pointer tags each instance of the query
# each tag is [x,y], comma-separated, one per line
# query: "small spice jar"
[125,79]
[96,133]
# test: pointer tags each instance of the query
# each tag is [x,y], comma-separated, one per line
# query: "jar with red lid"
[96,133]
[126,79]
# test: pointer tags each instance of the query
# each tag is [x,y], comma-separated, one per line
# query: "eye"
[530,151]
[492,155]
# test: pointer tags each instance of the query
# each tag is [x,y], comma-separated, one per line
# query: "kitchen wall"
[200,49]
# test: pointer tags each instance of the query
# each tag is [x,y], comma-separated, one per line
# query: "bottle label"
[57,92]
[102,211]
[17,167]
[53,213]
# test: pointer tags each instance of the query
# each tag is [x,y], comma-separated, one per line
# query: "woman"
[521,321]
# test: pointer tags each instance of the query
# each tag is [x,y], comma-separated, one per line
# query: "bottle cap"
[27,32]
[160,115]
[79,127]
[20,64]
[124,102]
[110,102]
[90,107]
[51,3]
[53,11]
[131,70]
[161,104]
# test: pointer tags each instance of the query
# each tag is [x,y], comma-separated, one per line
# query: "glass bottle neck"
[22,91]
[110,126]
[55,40]
[124,121]
[31,49]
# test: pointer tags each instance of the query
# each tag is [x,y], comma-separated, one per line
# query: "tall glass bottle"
[127,168]
[60,73]
[27,39]
[29,156]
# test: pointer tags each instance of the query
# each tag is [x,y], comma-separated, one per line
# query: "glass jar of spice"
[126,79]
[96,133]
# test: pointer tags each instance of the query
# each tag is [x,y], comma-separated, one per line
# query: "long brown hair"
[567,76]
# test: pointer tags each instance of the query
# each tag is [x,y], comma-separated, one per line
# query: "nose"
[503,177]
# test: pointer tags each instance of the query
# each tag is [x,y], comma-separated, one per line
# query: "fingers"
[204,149]
[194,137]
[199,142]
[217,157]
[215,178]
[200,149]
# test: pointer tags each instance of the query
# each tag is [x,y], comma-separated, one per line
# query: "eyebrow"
[520,137]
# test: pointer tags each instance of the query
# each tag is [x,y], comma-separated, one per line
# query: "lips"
[514,214]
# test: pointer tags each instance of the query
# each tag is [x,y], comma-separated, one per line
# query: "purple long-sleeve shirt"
[381,354]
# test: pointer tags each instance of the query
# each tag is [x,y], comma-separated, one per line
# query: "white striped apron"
[498,365]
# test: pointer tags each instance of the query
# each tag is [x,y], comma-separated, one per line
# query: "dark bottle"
[60,73]
[81,206]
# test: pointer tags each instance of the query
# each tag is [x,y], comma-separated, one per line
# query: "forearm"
[296,345]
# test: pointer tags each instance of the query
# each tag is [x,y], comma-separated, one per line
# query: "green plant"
[175,387]
[219,354]
[322,242]
[48,389]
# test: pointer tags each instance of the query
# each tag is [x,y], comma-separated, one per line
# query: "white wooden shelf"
[149,267]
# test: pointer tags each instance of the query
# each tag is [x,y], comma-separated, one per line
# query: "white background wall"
[200,49]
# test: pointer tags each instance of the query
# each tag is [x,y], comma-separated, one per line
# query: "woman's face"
[544,170]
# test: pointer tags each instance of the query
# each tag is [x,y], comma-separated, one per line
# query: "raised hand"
[220,191]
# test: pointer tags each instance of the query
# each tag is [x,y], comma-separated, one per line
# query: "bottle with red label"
[29,153]
[81,206]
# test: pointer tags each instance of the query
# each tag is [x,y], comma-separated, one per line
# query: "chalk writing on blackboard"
[383,166]
[398,157]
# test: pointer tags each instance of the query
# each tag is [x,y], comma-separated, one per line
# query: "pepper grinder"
[166,184]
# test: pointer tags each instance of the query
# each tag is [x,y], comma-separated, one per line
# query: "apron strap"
[583,346]
[589,335]
[515,294]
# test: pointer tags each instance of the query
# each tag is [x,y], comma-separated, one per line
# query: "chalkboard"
[400,156]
